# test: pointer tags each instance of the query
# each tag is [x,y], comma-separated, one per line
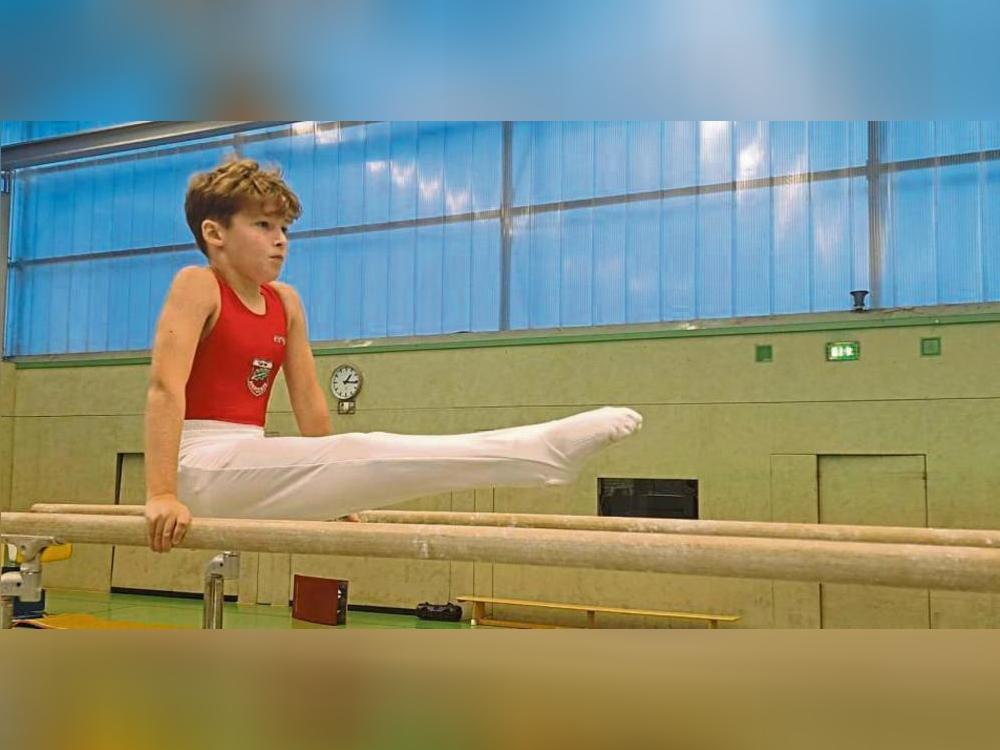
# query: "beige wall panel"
[26,462]
[273,579]
[8,380]
[794,489]
[8,388]
[959,609]
[68,460]
[963,487]
[82,391]
[247,583]
[963,462]
[879,491]
[795,605]
[180,570]
[6,455]
[795,499]
[89,569]
[895,427]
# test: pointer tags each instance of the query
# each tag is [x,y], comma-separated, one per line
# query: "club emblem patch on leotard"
[259,373]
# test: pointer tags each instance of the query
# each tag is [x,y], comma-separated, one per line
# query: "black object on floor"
[446,612]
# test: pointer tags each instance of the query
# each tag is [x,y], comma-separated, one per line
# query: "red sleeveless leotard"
[235,365]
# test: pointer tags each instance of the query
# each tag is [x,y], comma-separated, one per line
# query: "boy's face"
[256,243]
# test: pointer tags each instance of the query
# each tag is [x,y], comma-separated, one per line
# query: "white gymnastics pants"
[232,471]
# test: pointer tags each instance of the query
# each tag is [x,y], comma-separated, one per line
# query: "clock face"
[345,382]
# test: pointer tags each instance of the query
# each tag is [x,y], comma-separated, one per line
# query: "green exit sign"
[843,351]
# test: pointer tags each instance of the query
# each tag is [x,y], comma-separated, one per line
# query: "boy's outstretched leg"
[329,477]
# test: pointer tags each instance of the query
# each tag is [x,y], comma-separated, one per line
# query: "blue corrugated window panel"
[642,261]
[792,239]
[540,250]
[752,272]
[836,145]
[351,175]
[91,305]
[610,158]
[537,158]
[909,245]
[577,280]
[487,160]
[679,238]
[311,268]
[714,277]
[520,257]
[11,131]
[832,244]
[751,220]
[457,168]
[430,169]
[645,158]
[907,139]
[989,134]
[679,154]
[990,233]
[375,284]
[402,282]
[428,279]
[610,261]
[377,173]
[19,131]
[456,278]
[326,176]
[349,286]
[956,137]
[958,233]
[403,174]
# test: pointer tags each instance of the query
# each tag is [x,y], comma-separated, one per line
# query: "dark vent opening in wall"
[648,498]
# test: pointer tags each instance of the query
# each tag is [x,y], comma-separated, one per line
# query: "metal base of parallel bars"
[24,584]
[224,566]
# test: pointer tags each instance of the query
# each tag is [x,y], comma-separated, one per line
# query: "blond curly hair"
[235,185]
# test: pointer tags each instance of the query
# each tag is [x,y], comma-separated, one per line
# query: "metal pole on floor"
[6,612]
[214,598]
[225,565]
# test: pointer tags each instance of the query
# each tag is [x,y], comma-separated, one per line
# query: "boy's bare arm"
[190,302]
[308,401]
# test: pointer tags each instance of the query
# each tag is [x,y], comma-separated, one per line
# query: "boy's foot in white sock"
[576,438]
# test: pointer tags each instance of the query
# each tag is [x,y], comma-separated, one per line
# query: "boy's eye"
[263,224]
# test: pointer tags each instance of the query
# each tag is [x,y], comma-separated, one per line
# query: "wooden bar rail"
[921,566]
[989,538]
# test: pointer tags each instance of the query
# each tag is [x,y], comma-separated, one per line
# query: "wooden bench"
[479,612]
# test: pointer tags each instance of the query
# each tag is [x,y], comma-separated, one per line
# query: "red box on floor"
[319,600]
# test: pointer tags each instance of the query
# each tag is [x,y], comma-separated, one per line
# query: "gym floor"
[178,612]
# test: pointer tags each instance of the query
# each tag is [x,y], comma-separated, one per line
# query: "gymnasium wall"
[892,438]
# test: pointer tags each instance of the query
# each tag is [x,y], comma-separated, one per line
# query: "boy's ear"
[212,231]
